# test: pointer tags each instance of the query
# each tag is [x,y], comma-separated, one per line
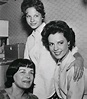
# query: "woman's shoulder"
[3,94]
[32,96]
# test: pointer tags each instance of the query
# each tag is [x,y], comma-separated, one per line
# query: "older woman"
[20,77]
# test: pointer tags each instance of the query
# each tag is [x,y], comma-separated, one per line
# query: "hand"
[78,68]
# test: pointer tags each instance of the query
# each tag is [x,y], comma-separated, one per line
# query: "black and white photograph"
[43,49]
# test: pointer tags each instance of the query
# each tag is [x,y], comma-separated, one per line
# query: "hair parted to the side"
[61,27]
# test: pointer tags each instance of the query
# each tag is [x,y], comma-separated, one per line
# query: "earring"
[68,44]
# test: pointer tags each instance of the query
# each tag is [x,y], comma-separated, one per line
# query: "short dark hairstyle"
[61,27]
[37,4]
[13,68]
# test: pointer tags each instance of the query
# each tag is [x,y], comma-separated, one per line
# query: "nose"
[31,19]
[27,75]
[56,47]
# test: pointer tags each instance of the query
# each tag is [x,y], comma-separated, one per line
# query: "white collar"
[39,29]
[67,61]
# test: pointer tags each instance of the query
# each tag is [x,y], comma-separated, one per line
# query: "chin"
[26,87]
[34,27]
[58,57]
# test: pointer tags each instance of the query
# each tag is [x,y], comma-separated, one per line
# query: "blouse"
[4,95]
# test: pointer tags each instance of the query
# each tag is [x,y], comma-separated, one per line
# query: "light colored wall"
[71,11]
[11,11]
[74,12]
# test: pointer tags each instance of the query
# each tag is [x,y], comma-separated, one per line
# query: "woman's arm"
[75,89]
[78,66]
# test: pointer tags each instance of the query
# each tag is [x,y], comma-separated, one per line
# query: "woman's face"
[58,45]
[33,18]
[23,78]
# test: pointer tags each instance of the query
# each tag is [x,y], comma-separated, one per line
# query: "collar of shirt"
[65,63]
[38,31]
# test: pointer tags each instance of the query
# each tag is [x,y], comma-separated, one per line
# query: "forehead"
[56,37]
[31,10]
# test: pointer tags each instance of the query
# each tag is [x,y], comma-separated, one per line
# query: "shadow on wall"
[25,26]
[84,2]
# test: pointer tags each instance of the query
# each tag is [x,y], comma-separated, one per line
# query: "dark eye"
[51,44]
[32,72]
[23,72]
[36,15]
[61,42]
[27,16]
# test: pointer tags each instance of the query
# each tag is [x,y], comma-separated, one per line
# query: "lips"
[26,81]
[26,84]
[57,53]
[32,24]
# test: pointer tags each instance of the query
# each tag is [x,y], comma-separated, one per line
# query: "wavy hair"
[37,4]
[61,27]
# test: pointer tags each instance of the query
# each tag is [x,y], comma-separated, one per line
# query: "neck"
[16,92]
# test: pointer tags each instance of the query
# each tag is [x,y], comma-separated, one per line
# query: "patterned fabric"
[4,95]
